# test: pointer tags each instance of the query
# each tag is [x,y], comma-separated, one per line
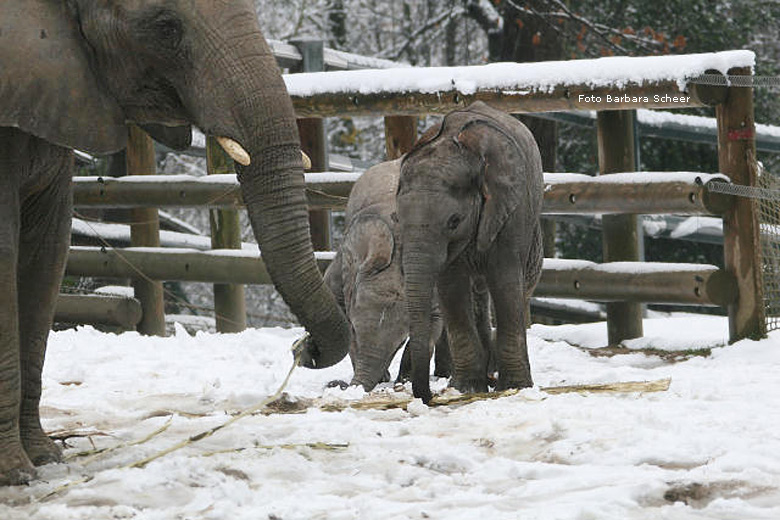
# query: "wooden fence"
[618,193]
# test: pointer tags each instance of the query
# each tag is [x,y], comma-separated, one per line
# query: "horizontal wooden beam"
[664,94]
[214,191]
[215,266]
[630,193]
[620,281]
[649,282]
[98,310]
[634,193]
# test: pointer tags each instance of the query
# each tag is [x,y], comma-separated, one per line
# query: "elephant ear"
[47,86]
[504,187]
[370,241]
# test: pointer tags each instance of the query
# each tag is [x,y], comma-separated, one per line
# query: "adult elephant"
[73,73]
[469,199]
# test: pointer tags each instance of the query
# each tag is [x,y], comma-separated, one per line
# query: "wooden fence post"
[314,142]
[620,237]
[145,231]
[400,135]
[741,247]
[229,300]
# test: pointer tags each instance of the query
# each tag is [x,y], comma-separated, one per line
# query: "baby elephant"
[469,199]
[366,278]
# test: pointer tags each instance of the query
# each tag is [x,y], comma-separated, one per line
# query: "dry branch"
[285,405]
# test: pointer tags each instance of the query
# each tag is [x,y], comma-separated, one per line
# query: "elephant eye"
[453,222]
[168,29]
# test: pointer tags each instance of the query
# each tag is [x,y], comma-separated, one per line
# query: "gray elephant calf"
[469,199]
[367,280]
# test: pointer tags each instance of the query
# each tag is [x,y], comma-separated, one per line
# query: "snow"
[659,118]
[635,178]
[116,290]
[329,177]
[565,264]
[520,77]
[711,439]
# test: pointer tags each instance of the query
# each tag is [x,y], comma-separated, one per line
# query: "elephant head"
[74,72]
[374,299]
[366,275]
[459,186]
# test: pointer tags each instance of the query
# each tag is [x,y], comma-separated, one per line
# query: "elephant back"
[375,188]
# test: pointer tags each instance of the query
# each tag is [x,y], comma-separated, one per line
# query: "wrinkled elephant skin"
[469,200]
[73,73]
[366,275]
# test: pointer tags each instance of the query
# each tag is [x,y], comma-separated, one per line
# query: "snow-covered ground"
[709,447]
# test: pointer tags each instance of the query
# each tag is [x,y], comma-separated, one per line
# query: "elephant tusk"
[235,151]
[241,156]
[306,161]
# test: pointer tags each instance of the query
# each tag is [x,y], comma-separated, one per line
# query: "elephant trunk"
[372,365]
[254,109]
[420,271]
[368,374]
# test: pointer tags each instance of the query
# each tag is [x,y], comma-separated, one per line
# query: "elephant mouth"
[157,102]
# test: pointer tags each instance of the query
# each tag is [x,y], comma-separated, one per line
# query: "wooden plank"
[229,299]
[98,310]
[741,248]
[632,281]
[638,282]
[586,195]
[187,191]
[145,231]
[620,237]
[650,195]
[516,101]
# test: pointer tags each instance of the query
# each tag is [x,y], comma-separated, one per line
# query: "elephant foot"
[41,449]
[442,371]
[506,384]
[469,385]
[15,466]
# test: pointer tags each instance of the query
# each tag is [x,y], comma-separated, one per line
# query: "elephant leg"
[481,295]
[15,466]
[505,281]
[442,357]
[469,369]
[405,369]
[43,247]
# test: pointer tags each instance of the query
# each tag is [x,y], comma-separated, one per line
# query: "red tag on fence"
[742,134]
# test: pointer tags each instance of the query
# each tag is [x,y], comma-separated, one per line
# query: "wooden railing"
[621,281]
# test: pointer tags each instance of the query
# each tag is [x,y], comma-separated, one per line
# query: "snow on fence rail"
[616,83]
[609,86]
